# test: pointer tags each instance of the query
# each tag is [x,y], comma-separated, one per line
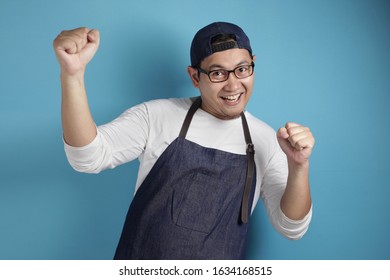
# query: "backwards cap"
[201,44]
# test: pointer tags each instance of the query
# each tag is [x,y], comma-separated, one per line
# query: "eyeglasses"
[221,75]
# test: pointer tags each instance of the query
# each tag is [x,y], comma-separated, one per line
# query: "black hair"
[222,38]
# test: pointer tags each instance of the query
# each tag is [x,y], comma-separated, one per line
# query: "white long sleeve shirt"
[146,130]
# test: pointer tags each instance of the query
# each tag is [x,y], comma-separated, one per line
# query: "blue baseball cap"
[201,46]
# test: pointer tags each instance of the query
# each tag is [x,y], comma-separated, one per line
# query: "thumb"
[282,133]
[93,41]
[282,136]
[93,36]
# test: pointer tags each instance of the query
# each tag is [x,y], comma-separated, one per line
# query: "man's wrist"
[298,168]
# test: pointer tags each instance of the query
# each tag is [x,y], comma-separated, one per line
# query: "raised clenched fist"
[296,141]
[75,48]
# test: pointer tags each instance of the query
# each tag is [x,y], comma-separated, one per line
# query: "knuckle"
[290,131]
[288,125]
[294,139]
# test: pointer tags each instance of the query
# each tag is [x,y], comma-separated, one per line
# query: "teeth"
[232,97]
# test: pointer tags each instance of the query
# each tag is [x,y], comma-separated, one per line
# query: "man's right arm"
[74,49]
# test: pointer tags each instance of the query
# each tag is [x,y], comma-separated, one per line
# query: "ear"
[194,76]
[254,58]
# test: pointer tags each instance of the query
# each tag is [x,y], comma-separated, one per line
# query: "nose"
[232,83]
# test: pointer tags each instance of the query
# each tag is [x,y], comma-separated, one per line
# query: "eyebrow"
[218,66]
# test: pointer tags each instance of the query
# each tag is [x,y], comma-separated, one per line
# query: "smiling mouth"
[232,98]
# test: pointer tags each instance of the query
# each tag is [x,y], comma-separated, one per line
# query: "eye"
[217,74]
[242,69]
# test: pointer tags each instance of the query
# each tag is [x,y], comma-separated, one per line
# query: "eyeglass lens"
[240,72]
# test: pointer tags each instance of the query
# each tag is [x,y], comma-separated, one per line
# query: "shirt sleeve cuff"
[81,158]
[294,229]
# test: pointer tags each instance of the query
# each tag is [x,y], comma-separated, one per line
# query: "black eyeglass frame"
[252,67]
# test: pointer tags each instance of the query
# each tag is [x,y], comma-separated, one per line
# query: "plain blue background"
[325,64]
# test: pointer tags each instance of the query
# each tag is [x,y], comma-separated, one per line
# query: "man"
[204,162]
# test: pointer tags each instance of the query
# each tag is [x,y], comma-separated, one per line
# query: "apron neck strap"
[191,112]
[250,152]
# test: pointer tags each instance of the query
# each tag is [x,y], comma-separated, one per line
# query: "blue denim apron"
[194,203]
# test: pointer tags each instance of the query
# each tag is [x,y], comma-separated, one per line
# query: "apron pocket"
[196,203]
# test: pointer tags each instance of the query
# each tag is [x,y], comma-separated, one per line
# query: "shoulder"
[158,109]
[259,127]
[167,112]
[165,116]
[168,106]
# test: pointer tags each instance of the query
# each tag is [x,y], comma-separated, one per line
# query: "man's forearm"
[296,200]
[77,123]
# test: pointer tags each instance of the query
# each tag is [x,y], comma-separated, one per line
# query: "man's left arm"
[297,143]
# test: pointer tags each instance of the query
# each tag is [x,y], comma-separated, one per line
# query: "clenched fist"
[75,48]
[297,142]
